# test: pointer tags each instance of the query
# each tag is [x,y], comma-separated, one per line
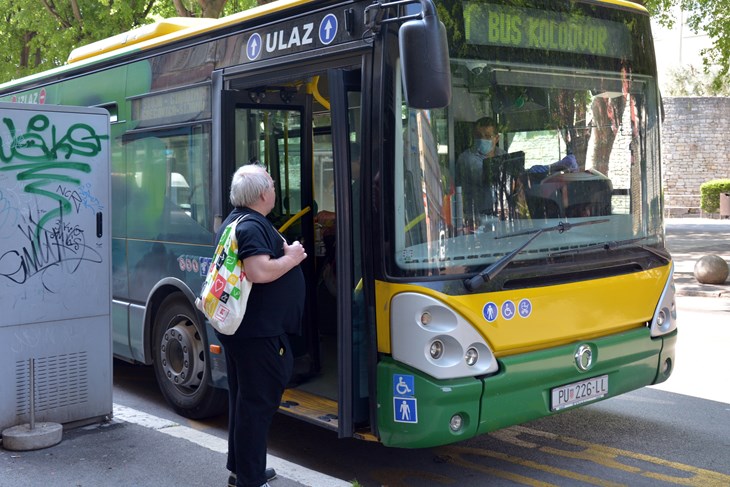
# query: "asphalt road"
[674,433]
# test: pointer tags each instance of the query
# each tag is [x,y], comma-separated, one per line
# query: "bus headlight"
[430,336]
[437,349]
[456,422]
[426,318]
[471,357]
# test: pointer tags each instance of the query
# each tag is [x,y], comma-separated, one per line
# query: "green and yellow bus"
[443,302]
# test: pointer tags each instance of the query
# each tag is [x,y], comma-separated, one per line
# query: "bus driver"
[478,198]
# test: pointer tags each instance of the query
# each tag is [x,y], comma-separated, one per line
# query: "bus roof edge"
[152,34]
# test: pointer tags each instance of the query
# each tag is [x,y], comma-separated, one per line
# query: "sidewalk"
[690,239]
[136,449]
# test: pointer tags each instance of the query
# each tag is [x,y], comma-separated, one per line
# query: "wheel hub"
[179,352]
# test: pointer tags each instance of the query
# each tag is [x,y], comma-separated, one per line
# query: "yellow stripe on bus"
[560,313]
[171,30]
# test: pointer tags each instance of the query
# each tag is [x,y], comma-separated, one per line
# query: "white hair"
[248,184]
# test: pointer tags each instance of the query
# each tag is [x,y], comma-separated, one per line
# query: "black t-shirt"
[276,307]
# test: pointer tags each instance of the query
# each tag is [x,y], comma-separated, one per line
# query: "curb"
[702,293]
[284,468]
[686,284]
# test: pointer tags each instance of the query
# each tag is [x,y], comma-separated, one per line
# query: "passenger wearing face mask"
[478,194]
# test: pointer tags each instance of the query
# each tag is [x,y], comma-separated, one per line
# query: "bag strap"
[232,227]
[240,218]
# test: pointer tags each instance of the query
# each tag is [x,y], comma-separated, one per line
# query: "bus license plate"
[579,392]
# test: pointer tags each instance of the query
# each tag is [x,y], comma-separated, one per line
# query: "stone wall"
[695,149]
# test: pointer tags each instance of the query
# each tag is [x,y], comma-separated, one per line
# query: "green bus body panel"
[520,392]
[669,347]
[437,402]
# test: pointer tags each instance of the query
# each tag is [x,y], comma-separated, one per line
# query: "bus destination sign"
[498,25]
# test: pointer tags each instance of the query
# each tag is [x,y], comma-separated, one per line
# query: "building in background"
[677,48]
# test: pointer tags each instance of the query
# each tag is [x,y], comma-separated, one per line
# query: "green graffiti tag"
[43,155]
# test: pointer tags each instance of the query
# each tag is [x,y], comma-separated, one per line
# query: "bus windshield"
[547,123]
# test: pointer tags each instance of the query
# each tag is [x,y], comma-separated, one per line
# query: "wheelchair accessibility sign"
[405,405]
[403,386]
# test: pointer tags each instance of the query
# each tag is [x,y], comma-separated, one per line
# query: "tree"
[208,8]
[709,16]
[39,35]
[691,81]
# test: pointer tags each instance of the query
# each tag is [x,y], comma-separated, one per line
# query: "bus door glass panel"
[279,136]
[352,332]
[325,235]
[361,333]
[272,137]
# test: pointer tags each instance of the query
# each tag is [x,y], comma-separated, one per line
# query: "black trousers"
[258,371]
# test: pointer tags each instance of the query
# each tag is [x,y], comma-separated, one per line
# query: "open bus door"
[272,124]
[352,333]
[307,133]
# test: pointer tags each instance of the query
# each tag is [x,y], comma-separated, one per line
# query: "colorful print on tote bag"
[226,289]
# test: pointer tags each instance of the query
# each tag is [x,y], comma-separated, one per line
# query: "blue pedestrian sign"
[403,385]
[490,312]
[328,29]
[405,410]
[253,47]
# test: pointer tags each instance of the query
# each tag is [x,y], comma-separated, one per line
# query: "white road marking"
[283,467]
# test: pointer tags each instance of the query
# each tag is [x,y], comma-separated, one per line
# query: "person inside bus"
[477,192]
[259,359]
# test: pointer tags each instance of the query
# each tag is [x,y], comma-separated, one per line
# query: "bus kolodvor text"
[458,282]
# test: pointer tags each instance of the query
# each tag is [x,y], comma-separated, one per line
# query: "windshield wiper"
[617,244]
[491,272]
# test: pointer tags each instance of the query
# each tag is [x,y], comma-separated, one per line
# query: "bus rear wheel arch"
[181,362]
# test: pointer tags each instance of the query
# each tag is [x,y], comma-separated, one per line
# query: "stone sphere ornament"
[711,269]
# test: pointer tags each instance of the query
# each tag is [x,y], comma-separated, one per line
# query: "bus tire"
[181,362]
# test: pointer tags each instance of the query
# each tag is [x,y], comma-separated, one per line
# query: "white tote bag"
[225,291]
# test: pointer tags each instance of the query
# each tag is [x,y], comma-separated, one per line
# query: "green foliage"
[710,194]
[709,16]
[39,35]
[691,81]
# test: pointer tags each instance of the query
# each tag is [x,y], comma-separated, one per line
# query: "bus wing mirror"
[424,59]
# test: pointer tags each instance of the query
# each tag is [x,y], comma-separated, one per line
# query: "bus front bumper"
[430,412]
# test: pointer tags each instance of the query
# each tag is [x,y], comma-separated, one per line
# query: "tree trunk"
[25,53]
[607,114]
[212,8]
[181,10]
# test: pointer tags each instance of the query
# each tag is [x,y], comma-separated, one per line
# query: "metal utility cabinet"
[55,263]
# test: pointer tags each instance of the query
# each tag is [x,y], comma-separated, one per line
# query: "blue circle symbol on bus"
[524,308]
[490,312]
[508,310]
[328,29]
[253,46]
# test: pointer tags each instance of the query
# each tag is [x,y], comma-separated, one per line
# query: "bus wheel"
[181,364]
